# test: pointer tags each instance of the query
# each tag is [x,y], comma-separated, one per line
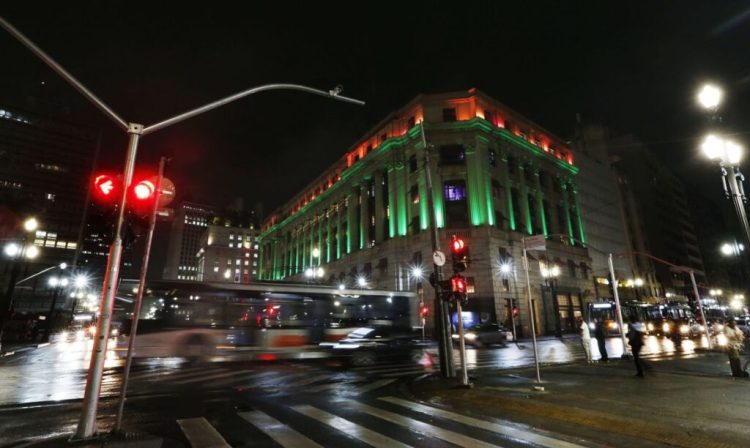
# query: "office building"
[188,227]
[228,253]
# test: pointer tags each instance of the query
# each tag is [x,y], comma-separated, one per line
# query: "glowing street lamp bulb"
[727,249]
[710,96]
[555,271]
[361,281]
[309,272]
[733,152]
[320,272]
[32,252]
[505,268]
[53,281]
[63,265]
[342,286]
[31,224]
[416,272]
[316,252]
[12,249]
[713,147]
[638,282]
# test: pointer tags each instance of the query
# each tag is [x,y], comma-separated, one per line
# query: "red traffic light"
[516,311]
[144,190]
[424,311]
[105,185]
[457,244]
[458,284]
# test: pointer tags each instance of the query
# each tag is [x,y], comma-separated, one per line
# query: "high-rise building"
[657,215]
[603,213]
[188,226]
[45,167]
[228,253]
[496,177]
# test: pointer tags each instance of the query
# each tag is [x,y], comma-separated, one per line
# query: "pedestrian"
[735,339]
[585,338]
[635,340]
[601,337]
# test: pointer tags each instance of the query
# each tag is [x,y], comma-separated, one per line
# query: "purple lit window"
[455,191]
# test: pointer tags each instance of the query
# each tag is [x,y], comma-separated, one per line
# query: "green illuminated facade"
[495,175]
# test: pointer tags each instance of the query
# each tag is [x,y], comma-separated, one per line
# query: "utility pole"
[442,321]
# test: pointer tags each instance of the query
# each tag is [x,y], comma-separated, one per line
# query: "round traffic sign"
[167,192]
[438,257]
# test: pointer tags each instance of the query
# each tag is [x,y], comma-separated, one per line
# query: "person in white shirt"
[735,341]
[585,338]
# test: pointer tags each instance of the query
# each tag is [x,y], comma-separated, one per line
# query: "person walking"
[735,339]
[601,337]
[583,328]
[635,340]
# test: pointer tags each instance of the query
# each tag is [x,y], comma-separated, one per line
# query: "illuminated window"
[455,190]
[414,194]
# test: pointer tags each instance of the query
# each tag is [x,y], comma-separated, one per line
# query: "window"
[572,268]
[50,197]
[413,164]
[452,155]
[497,190]
[492,156]
[489,116]
[512,163]
[414,194]
[455,190]
[449,114]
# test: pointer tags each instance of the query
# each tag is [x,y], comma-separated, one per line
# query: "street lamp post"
[87,423]
[550,274]
[418,274]
[17,252]
[58,283]
[727,153]
[507,271]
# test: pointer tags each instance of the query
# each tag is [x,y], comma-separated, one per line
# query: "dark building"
[45,166]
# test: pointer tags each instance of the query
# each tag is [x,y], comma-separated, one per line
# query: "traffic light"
[106,191]
[516,311]
[423,311]
[143,195]
[460,254]
[458,288]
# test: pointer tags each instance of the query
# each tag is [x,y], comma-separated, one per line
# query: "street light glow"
[309,272]
[712,147]
[63,265]
[30,224]
[32,252]
[12,249]
[710,96]
[416,272]
[361,281]
[316,252]
[727,249]
[342,286]
[321,272]
[733,152]
[505,268]
[81,281]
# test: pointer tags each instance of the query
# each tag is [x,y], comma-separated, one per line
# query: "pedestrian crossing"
[386,422]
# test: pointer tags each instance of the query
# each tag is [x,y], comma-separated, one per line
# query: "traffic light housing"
[516,311]
[459,254]
[143,196]
[106,191]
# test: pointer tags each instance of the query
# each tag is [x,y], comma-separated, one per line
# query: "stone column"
[523,191]
[539,198]
[566,209]
[328,217]
[339,229]
[364,216]
[392,205]
[351,208]
[505,173]
[402,214]
[379,209]
[476,186]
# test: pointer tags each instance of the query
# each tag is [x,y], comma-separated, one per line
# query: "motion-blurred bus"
[191,319]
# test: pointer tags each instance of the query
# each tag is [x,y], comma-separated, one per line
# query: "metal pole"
[462,345]
[738,202]
[700,307]
[531,313]
[87,423]
[48,327]
[139,298]
[442,320]
[625,349]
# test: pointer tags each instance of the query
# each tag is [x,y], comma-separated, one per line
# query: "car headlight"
[650,326]
[684,329]
[665,327]
[115,332]
[470,336]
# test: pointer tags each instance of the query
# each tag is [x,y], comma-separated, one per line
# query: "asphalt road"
[283,403]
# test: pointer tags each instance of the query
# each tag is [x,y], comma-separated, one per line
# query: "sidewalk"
[684,402]
[9,349]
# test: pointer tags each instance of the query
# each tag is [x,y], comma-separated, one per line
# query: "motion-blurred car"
[743,323]
[366,346]
[485,334]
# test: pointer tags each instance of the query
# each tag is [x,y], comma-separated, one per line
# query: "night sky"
[633,66]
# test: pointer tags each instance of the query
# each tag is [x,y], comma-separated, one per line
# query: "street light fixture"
[732,249]
[710,96]
[361,281]
[30,224]
[550,273]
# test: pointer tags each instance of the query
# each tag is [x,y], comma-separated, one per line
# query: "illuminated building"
[189,224]
[228,254]
[45,165]
[496,177]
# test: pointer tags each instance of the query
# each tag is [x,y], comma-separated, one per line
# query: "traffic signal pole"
[442,321]
[139,296]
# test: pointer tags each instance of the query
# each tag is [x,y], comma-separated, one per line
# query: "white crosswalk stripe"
[279,432]
[212,377]
[434,431]
[352,429]
[513,431]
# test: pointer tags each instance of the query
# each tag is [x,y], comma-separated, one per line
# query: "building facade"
[45,167]
[228,254]
[657,215]
[496,177]
[188,227]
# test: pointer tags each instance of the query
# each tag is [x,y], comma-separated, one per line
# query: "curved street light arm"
[57,68]
[333,94]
